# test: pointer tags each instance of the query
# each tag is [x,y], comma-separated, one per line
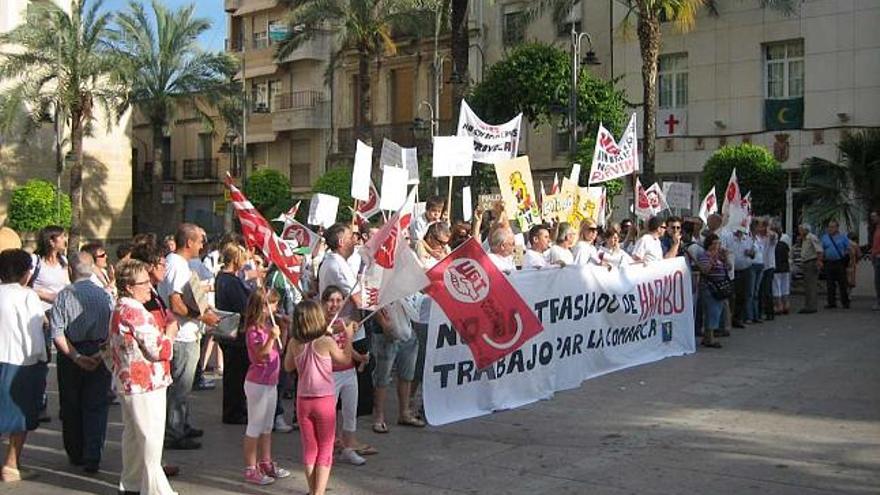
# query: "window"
[205,148]
[261,40]
[260,95]
[274,89]
[514,28]
[784,69]
[562,140]
[672,79]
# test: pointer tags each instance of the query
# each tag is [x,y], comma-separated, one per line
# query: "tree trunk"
[460,53]
[649,44]
[155,208]
[76,192]
[364,125]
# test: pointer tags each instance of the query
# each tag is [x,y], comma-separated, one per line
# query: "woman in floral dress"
[140,352]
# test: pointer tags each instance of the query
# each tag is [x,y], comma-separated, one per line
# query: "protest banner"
[393,188]
[518,191]
[360,174]
[612,159]
[492,143]
[323,209]
[485,309]
[595,321]
[453,156]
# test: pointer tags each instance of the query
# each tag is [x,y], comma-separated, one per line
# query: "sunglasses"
[102,255]
[675,227]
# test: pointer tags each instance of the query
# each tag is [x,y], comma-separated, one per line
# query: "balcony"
[200,169]
[318,47]
[402,134]
[230,6]
[300,110]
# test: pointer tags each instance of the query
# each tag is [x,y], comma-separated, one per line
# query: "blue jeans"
[84,404]
[184,359]
[712,309]
[753,294]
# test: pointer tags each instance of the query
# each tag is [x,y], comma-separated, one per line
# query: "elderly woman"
[713,264]
[140,353]
[22,356]
[231,294]
[584,250]
[560,252]
[612,254]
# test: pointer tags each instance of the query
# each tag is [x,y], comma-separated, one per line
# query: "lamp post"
[589,59]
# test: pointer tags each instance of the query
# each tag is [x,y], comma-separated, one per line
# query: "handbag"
[227,327]
[721,288]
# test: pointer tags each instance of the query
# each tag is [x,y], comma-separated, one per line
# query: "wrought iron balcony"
[200,169]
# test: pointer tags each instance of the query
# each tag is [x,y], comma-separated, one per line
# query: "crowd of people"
[142,331]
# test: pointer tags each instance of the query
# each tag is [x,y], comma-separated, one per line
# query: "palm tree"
[649,14]
[60,61]
[460,48]
[832,186]
[160,60]
[367,27]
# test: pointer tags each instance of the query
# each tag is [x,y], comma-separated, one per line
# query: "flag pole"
[272,317]
[449,201]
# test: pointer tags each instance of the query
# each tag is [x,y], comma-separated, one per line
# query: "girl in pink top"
[312,353]
[260,387]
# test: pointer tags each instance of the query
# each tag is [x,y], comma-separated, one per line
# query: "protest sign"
[518,191]
[591,204]
[466,204]
[360,175]
[411,164]
[391,154]
[612,159]
[453,156]
[491,143]
[323,208]
[487,201]
[393,188]
[595,321]
[575,173]
[678,195]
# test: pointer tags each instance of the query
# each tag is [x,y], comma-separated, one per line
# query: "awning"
[255,6]
[268,137]
[263,70]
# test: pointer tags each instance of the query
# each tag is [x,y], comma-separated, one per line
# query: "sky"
[214,39]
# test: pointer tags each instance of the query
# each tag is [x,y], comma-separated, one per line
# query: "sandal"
[380,427]
[411,421]
[366,450]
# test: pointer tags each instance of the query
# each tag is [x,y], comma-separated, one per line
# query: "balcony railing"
[402,134]
[200,169]
[299,99]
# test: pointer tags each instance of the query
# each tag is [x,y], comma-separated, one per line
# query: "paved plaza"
[787,407]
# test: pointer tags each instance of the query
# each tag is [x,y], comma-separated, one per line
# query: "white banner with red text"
[595,321]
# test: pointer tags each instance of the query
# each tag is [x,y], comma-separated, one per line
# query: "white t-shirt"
[533,260]
[648,248]
[21,326]
[51,278]
[585,253]
[504,263]
[558,253]
[614,258]
[177,276]
[335,270]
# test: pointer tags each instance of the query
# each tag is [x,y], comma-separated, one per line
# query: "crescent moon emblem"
[512,341]
[780,116]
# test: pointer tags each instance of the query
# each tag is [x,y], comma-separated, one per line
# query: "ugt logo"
[466,281]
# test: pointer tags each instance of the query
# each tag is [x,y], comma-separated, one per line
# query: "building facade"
[793,84]
[107,184]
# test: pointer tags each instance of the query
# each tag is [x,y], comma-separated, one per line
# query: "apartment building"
[288,118]
[107,185]
[793,84]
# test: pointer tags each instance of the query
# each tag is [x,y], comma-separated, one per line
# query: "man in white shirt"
[501,245]
[175,290]
[742,250]
[539,242]
[649,248]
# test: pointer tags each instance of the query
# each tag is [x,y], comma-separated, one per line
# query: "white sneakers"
[281,426]
[351,457]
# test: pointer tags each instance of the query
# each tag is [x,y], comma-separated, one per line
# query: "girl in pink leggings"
[312,354]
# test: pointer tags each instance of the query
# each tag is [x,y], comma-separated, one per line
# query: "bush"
[35,205]
[756,171]
[269,191]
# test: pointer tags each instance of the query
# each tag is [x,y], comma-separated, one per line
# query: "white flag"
[709,205]
[392,269]
[612,159]
[656,199]
[360,175]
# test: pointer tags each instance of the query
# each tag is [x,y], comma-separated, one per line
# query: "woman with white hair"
[560,252]
[811,263]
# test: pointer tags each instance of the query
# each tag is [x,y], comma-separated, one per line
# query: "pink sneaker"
[256,476]
[272,470]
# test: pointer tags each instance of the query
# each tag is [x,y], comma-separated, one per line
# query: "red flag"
[370,207]
[258,233]
[481,304]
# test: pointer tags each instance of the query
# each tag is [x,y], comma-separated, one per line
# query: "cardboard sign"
[411,164]
[360,175]
[518,190]
[393,188]
[466,203]
[453,156]
[678,194]
[323,208]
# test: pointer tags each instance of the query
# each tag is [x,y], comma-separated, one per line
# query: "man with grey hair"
[811,263]
[501,245]
[79,322]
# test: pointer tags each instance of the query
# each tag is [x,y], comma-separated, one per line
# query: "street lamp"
[457,78]
[589,59]
[420,125]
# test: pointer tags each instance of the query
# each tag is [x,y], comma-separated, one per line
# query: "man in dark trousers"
[835,247]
